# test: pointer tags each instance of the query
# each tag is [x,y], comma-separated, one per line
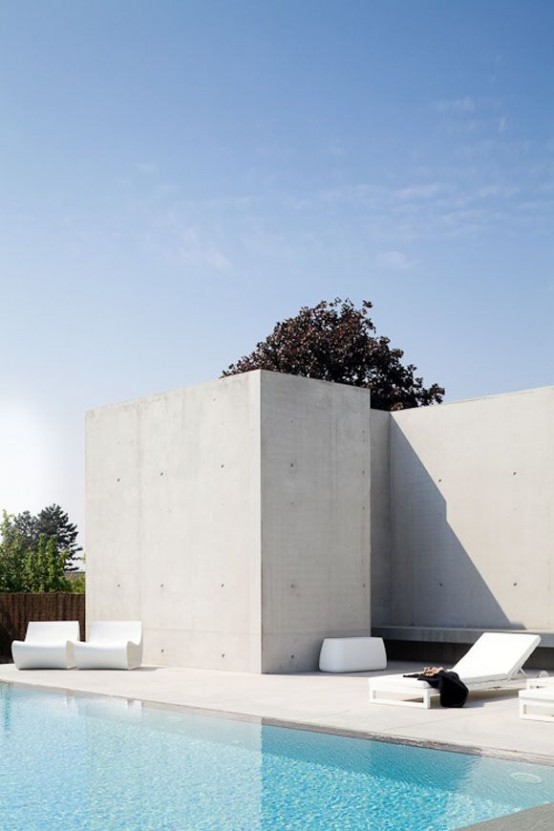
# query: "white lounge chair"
[47,645]
[493,661]
[112,644]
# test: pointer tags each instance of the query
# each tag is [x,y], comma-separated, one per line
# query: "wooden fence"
[16,610]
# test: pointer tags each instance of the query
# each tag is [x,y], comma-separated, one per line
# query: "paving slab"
[533,819]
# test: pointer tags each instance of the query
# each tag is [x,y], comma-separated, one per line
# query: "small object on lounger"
[452,690]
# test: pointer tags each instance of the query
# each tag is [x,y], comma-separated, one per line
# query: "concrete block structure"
[233,519]
[247,519]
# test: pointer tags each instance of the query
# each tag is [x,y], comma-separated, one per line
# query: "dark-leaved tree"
[335,341]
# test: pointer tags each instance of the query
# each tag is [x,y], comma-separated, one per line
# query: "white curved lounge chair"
[112,644]
[493,661]
[47,645]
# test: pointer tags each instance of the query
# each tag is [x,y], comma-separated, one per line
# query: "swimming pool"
[84,763]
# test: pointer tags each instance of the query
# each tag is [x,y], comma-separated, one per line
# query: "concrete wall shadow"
[434,579]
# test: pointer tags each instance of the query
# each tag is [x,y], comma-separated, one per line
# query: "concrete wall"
[232,518]
[380,430]
[173,528]
[472,519]
[315,517]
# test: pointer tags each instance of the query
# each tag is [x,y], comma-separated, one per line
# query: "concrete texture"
[172,538]
[471,522]
[315,518]
[232,518]
[380,429]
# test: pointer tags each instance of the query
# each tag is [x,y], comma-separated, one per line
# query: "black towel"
[452,690]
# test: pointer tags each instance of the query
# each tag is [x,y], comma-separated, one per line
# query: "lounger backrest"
[52,631]
[115,631]
[496,655]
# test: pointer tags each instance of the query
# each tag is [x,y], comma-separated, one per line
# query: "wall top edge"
[243,377]
[133,402]
[260,373]
[494,397]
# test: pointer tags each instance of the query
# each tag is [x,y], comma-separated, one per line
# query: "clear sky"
[177,176]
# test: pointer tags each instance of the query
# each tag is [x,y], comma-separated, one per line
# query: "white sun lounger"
[493,661]
[47,645]
[112,644]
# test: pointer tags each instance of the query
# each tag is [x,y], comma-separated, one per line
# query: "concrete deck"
[488,724]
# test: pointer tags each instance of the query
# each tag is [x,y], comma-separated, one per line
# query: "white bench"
[537,701]
[352,654]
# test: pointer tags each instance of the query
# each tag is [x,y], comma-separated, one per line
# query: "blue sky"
[176,177]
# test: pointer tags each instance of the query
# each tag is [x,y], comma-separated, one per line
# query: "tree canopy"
[51,521]
[37,551]
[335,341]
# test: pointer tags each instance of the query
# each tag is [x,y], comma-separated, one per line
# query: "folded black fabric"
[452,690]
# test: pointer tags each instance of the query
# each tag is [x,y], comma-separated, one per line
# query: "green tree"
[29,565]
[51,521]
[24,524]
[12,557]
[335,341]
[43,569]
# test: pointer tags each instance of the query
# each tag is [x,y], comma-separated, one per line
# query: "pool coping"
[540,818]
[310,727]
[484,727]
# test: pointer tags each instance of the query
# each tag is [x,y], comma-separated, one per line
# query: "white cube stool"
[352,654]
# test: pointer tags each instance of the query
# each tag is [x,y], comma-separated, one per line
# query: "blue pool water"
[76,763]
